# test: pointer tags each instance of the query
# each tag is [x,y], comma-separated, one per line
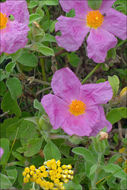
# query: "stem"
[96,172]
[91,73]
[43,69]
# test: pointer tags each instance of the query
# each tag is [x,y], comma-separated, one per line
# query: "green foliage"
[27,136]
[117,114]
[114,82]
[51,151]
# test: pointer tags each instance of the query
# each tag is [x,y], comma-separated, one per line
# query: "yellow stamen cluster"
[3,21]
[77,107]
[94,19]
[50,176]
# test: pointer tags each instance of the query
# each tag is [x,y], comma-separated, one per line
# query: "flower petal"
[18,9]
[99,93]
[115,22]
[73,32]
[106,4]
[65,84]
[101,124]
[10,43]
[79,6]
[81,125]
[56,109]
[99,42]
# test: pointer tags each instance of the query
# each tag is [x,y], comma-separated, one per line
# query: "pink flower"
[77,108]
[102,25]
[1,152]
[13,32]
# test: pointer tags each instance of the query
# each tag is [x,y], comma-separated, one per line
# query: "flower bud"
[103,135]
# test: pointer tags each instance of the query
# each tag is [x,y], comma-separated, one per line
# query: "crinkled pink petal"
[99,93]
[17,8]
[106,4]
[66,85]
[56,109]
[13,37]
[81,125]
[80,6]
[101,124]
[99,42]
[73,32]
[116,23]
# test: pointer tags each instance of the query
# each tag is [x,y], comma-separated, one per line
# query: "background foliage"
[26,134]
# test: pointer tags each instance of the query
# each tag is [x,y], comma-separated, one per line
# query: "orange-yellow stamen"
[3,21]
[77,107]
[94,19]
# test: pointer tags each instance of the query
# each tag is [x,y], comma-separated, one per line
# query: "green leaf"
[33,147]
[49,2]
[26,131]
[4,143]
[93,169]
[116,170]
[116,114]
[9,104]
[28,59]
[73,59]
[45,50]
[49,38]
[3,74]
[2,88]
[12,175]
[40,12]
[10,66]
[38,106]
[94,4]
[114,158]
[114,82]
[34,17]
[87,154]
[32,4]
[111,53]
[73,186]
[15,87]
[51,151]
[4,182]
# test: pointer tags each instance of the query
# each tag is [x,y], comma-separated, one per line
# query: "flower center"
[3,20]
[77,107]
[94,19]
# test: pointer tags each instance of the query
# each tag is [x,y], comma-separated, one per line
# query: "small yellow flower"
[69,166]
[25,180]
[28,176]
[122,150]
[27,170]
[32,168]
[42,168]
[64,167]
[38,171]
[24,173]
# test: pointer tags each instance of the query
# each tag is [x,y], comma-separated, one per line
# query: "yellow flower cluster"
[50,176]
